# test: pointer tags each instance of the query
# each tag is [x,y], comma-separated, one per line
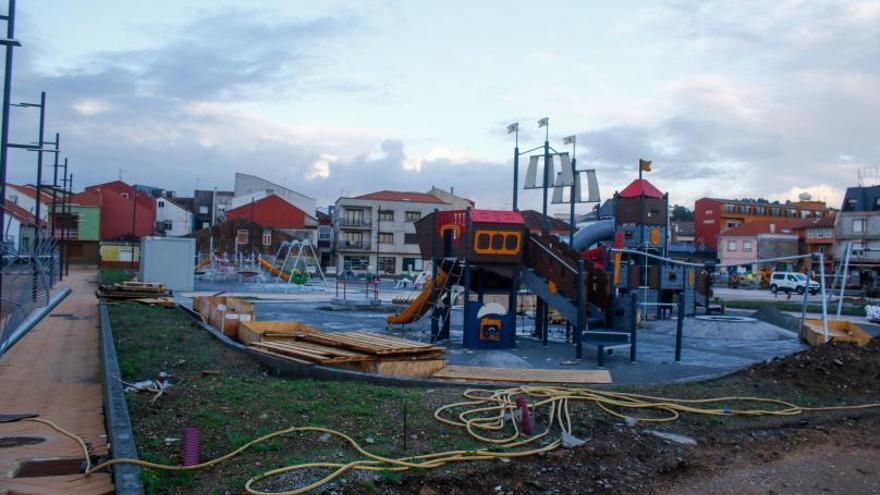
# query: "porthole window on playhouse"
[496,242]
[483,242]
[511,242]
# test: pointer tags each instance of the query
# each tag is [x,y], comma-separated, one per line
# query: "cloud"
[91,106]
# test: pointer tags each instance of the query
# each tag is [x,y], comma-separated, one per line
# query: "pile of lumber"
[361,351]
[132,290]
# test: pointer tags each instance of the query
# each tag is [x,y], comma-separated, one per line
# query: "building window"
[413,216]
[387,264]
[325,234]
[386,238]
[774,212]
[729,209]
[354,218]
[205,225]
[356,262]
[386,215]
[410,239]
[760,210]
[744,210]
[731,246]
[124,195]
[267,238]
[413,265]
[241,237]
[160,204]
[747,245]
[850,205]
[203,210]
[859,225]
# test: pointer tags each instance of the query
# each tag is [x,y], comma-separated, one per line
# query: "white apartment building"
[252,188]
[172,219]
[377,231]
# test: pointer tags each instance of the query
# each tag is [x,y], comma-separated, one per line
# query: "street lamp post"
[545,123]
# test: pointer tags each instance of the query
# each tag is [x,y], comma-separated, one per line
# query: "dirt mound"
[841,368]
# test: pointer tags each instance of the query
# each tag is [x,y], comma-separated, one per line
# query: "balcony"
[355,223]
[363,245]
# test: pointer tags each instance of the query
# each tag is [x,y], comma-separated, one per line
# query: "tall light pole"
[10,43]
[514,129]
[545,123]
[572,140]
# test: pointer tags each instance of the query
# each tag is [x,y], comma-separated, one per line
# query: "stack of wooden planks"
[132,290]
[361,351]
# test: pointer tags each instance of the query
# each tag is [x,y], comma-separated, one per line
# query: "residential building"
[754,241]
[326,237]
[19,229]
[172,218]
[376,233]
[816,235]
[25,196]
[209,207]
[682,231]
[275,212]
[859,223]
[239,235]
[252,188]
[712,216]
[79,231]
[457,202]
[122,210]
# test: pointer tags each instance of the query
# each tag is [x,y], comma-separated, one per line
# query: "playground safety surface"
[710,348]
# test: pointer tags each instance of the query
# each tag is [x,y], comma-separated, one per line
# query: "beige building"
[376,232]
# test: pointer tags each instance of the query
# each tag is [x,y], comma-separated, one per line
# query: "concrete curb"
[126,477]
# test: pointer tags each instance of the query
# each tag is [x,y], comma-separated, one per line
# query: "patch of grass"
[243,402]
[114,275]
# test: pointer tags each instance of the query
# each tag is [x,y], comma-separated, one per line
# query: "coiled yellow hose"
[489,412]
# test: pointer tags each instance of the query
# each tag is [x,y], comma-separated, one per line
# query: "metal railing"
[27,275]
[355,222]
[358,245]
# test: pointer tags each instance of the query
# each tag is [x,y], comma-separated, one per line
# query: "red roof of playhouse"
[639,187]
[415,197]
[497,216]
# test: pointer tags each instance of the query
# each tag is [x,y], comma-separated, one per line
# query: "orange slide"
[431,291]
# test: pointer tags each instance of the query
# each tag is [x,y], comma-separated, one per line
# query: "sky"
[330,98]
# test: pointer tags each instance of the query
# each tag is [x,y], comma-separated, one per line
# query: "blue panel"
[492,331]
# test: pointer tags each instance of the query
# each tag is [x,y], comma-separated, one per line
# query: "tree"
[682,213]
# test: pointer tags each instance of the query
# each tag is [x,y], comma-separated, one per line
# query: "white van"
[791,281]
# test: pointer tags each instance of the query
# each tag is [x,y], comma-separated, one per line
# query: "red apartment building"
[119,209]
[713,216]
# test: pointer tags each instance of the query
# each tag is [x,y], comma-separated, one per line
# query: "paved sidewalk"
[54,371]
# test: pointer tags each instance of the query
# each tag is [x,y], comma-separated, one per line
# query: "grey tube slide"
[593,233]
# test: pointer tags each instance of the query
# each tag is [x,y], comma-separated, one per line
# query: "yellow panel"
[504,234]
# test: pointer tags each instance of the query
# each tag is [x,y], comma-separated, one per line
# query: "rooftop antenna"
[869,176]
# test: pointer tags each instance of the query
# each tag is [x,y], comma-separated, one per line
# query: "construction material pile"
[133,290]
[360,351]
[842,368]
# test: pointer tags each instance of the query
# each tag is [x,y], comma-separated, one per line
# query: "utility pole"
[545,123]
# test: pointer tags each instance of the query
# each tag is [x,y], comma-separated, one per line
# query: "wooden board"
[522,375]
[409,368]
[370,343]
[838,331]
[313,352]
[258,331]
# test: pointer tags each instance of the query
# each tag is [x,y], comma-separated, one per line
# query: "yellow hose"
[491,412]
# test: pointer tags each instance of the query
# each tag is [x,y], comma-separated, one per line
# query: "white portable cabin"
[168,260]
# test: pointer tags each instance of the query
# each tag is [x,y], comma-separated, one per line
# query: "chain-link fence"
[28,273]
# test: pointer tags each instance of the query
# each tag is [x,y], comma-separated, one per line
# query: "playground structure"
[294,263]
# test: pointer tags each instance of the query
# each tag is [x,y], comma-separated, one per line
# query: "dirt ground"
[820,452]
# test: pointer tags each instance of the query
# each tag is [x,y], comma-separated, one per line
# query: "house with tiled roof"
[757,240]
[375,232]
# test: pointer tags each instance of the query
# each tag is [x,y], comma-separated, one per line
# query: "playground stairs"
[551,274]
